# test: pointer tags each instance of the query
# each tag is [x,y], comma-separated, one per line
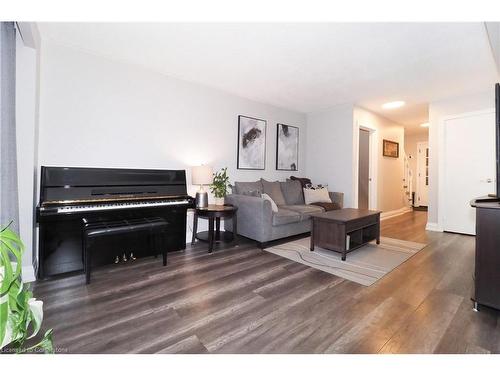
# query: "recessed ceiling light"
[425,125]
[392,105]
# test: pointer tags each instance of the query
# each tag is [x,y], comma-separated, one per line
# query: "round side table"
[213,214]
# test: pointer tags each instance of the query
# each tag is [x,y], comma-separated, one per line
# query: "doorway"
[467,169]
[364,169]
[422,193]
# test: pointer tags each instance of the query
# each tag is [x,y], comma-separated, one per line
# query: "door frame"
[441,163]
[417,176]
[373,166]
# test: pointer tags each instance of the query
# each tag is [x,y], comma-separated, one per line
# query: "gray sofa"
[257,221]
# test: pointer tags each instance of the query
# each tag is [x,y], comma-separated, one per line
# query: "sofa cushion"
[252,193]
[304,210]
[248,188]
[285,216]
[292,191]
[273,189]
[316,195]
[327,206]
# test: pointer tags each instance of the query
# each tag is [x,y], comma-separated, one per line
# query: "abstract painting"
[287,148]
[251,143]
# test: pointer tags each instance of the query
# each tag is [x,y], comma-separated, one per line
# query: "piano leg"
[163,248]
[87,252]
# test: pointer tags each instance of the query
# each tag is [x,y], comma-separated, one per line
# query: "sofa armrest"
[254,216]
[337,198]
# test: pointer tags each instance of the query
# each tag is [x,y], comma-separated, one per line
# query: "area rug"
[365,265]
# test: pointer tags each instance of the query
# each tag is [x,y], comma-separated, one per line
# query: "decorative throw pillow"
[273,189]
[273,204]
[303,180]
[316,196]
[314,187]
[292,191]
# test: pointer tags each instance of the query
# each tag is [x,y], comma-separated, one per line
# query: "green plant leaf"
[47,343]
[36,310]
[6,271]
[14,247]
[4,309]
[20,313]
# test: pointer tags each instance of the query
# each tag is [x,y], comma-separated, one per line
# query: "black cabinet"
[487,266]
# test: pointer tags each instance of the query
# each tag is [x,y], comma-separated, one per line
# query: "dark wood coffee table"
[214,213]
[344,230]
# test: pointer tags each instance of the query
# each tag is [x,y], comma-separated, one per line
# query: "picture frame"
[251,143]
[390,149]
[287,147]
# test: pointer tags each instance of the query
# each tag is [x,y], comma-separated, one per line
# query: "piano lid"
[76,183]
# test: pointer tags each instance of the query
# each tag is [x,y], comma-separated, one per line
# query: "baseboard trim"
[28,274]
[433,227]
[389,214]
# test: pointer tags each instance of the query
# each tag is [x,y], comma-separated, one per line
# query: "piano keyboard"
[116,206]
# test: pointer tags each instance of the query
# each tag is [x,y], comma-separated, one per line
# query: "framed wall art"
[251,143]
[390,149]
[287,147]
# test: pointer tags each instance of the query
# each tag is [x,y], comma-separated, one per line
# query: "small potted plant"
[220,185]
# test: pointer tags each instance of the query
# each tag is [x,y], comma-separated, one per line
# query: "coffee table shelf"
[345,230]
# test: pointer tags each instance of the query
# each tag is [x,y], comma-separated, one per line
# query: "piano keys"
[69,194]
[111,206]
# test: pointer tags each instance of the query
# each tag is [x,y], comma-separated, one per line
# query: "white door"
[469,168]
[422,174]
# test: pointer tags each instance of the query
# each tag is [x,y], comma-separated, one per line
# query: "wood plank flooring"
[243,300]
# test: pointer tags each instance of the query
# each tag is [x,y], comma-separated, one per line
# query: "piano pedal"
[124,258]
[117,259]
[132,257]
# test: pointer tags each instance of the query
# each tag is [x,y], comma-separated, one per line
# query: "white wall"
[101,113]
[26,65]
[97,112]
[437,111]
[330,149]
[411,141]
[390,171]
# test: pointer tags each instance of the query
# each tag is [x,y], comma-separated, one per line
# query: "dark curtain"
[9,206]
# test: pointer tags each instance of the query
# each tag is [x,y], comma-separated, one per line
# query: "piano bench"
[155,226]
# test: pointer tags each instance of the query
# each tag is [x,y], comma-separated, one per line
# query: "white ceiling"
[305,66]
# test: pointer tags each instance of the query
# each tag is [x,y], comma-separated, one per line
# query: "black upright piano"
[69,194]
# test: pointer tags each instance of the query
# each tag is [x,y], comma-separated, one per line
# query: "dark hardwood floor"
[243,300]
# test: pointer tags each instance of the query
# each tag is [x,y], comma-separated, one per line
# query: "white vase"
[219,201]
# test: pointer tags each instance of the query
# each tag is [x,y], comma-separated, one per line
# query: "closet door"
[469,167]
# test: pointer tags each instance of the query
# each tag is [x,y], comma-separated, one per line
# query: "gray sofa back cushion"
[292,191]
[273,189]
[248,188]
[253,193]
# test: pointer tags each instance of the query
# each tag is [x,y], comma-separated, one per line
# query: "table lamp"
[202,175]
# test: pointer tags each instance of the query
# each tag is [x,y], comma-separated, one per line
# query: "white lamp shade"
[202,175]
